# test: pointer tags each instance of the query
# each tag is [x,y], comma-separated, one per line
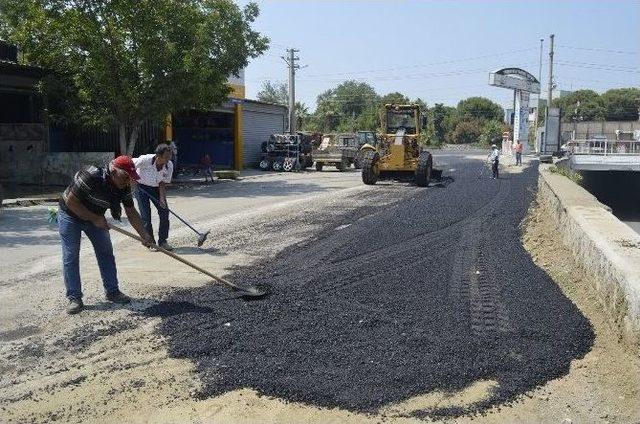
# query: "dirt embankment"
[604,386]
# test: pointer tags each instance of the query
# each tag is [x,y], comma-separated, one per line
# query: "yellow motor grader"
[398,153]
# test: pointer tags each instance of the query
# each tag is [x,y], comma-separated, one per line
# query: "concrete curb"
[29,201]
[606,248]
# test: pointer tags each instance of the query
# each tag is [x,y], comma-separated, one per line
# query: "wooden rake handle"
[178,258]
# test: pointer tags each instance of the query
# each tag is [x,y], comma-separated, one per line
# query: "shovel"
[245,293]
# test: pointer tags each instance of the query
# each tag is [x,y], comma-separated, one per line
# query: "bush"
[426,138]
[563,170]
[492,130]
[466,132]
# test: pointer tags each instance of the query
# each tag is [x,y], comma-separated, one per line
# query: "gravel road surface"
[432,291]
[389,303]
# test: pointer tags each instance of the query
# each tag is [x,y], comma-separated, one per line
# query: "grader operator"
[398,153]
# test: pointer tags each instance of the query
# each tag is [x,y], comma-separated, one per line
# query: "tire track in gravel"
[390,307]
[346,267]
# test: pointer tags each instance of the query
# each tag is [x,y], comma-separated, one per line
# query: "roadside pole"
[291,63]
[549,94]
[535,120]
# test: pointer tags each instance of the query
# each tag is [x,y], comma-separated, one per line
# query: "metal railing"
[603,147]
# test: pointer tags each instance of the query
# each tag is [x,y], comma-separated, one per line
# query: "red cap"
[126,164]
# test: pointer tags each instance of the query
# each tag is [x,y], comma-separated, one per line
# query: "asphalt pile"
[434,292]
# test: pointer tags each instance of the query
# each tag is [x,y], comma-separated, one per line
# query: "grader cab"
[398,153]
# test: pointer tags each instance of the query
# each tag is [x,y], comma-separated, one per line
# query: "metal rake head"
[202,238]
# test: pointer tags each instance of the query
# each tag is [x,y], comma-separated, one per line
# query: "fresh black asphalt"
[434,292]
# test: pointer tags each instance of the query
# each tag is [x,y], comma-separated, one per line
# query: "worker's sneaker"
[74,306]
[153,248]
[118,297]
[166,246]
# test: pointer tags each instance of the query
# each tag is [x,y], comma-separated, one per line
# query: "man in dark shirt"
[82,208]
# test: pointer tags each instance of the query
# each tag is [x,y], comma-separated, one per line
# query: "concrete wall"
[606,248]
[24,158]
[60,167]
[21,151]
[45,168]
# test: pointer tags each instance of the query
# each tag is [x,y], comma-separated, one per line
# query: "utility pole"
[540,63]
[535,120]
[550,90]
[291,63]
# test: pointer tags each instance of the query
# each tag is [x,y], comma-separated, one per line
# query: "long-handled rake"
[201,236]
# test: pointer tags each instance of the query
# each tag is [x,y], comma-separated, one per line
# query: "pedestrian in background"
[205,164]
[155,172]
[494,159]
[174,157]
[81,210]
[518,149]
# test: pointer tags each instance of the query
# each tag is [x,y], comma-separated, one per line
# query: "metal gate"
[259,121]
[198,133]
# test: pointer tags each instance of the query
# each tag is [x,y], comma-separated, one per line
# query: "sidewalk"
[52,194]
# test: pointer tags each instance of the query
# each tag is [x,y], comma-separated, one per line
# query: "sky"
[443,51]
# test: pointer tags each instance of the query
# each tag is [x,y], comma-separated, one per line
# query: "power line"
[595,49]
[423,64]
[395,77]
[602,65]
[587,80]
[598,67]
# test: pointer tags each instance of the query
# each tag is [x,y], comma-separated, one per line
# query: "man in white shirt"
[494,158]
[155,172]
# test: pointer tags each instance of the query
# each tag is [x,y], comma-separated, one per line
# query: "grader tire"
[319,166]
[423,171]
[370,171]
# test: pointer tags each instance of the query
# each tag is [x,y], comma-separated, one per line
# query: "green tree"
[128,61]
[347,124]
[278,93]
[394,98]
[350,101]
[369,119]
[479,108]
[274,92]
[621,104]
[491,131]
[585,105]
[421,103]
[467,132]
[451,120]
[444,121]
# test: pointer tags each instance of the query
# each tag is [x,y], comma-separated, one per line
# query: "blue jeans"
[144,204]
[71,229]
